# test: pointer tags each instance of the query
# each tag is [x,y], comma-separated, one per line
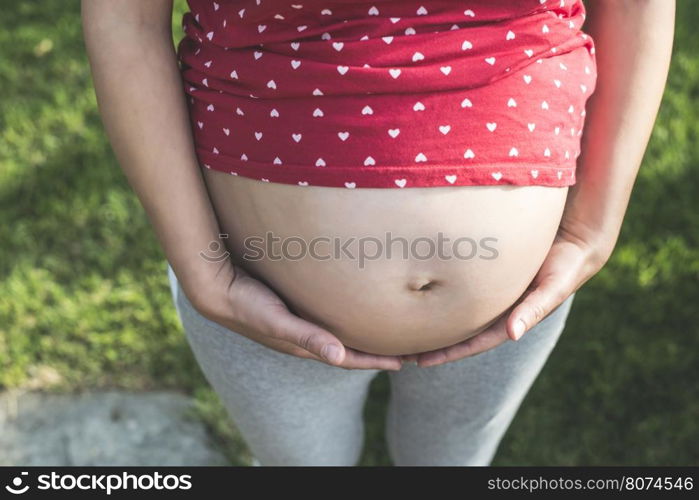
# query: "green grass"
[84,298]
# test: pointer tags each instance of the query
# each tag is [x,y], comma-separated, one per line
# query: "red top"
[388,93]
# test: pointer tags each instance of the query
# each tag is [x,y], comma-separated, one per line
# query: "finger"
[285,347]
[486,340]
[353,359]
[409,358]
[535,306]
[290,328]
[364,360]
[323,345]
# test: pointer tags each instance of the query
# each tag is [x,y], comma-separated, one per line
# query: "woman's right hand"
[245,305]
[168,180]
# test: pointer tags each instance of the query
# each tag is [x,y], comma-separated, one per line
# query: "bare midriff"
[390,271]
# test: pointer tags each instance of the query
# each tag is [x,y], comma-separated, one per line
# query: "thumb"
[311,337]
[534,307]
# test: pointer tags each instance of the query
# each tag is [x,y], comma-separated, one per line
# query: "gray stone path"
[102,428]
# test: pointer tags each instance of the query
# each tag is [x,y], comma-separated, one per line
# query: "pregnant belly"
[390,271]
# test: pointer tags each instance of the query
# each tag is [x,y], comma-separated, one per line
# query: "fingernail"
[331,352]
[519,329]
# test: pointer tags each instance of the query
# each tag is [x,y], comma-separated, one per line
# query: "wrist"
[598,244]
[206,286]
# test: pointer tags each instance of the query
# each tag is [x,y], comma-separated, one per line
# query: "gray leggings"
[296,411]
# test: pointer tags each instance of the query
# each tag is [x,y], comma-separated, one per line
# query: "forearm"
[143,108]
[633,43]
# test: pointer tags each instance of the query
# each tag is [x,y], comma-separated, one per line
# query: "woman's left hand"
[571,261]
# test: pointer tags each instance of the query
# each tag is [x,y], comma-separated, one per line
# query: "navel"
[423,285]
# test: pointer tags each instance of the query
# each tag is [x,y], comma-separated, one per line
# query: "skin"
[378,305]
[138,89]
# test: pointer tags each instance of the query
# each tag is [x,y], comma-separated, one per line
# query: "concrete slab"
[102,428]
